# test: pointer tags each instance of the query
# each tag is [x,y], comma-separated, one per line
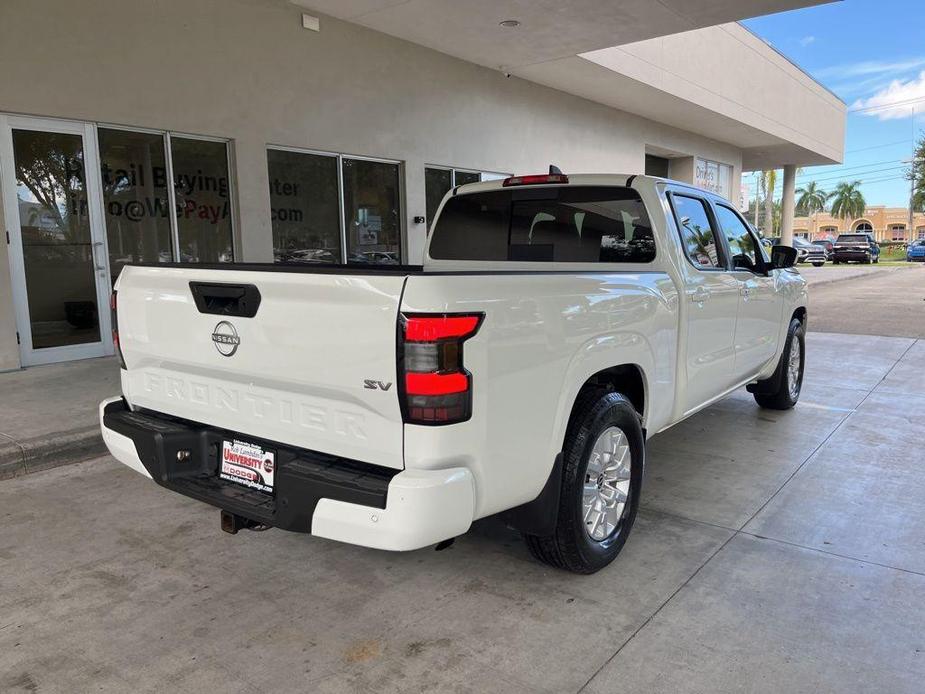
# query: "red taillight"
[114,312]
[433,328]
[435,383]
[436,387]
[533,180]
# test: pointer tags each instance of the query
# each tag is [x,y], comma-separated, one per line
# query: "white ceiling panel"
[549,29]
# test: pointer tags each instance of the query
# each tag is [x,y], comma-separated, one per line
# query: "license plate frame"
[248,464]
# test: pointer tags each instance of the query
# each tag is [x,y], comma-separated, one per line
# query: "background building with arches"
[885,223]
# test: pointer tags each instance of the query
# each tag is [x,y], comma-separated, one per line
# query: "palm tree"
[847,201]
[810,200]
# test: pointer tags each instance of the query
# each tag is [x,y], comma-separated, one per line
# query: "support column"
[787,204]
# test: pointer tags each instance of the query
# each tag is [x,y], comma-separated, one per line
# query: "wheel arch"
[538,516]
[628,379]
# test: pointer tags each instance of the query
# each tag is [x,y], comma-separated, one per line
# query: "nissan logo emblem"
[226,339]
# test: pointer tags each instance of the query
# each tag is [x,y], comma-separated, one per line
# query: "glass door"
[49,178]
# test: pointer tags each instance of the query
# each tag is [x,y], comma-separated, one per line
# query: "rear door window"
[575,224]
[701,243]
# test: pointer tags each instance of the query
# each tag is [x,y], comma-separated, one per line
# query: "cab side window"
[697,232]
[744,248]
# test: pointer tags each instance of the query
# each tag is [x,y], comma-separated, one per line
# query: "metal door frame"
[30,356]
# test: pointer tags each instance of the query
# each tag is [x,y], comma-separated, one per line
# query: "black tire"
[836,262]
[570,547]
[818,264]
[774,393]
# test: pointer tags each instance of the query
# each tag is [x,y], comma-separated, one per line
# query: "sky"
[871,53]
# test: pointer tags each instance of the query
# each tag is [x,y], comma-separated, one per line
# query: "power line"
[851,168]
[888,144]
[853,176]
[890,105]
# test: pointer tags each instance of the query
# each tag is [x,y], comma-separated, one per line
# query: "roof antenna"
[554,170]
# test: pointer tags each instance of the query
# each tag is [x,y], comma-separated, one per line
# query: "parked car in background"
[556,323]
[806,252]
[916,251]
[829,247]
[858,247]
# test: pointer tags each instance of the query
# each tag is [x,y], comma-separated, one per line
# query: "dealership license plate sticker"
[248,464]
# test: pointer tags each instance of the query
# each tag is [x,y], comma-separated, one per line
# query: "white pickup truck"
[556,323]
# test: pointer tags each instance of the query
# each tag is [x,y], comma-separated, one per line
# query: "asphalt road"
[890,303]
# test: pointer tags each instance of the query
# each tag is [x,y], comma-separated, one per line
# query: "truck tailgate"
[295,372]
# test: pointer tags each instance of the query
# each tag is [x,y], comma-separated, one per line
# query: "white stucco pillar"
[787,204]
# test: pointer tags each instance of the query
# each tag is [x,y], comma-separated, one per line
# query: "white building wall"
[246,70]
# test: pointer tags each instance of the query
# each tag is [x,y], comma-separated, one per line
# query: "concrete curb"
[875,273]
[19,458]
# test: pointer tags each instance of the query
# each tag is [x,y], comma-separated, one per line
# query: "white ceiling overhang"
[625,54]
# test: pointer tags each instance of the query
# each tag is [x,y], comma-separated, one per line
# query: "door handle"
[700,294]
[96,260]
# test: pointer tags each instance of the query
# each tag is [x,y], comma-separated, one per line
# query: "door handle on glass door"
[95,258]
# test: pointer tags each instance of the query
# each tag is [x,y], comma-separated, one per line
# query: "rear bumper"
[315,493]
[852,255]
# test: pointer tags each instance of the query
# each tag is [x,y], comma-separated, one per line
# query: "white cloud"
[900,93]
[868,68]
[806,40]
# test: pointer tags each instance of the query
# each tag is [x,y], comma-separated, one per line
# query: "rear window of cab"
[568,224]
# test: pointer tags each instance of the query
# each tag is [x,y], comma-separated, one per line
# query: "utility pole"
[912,164]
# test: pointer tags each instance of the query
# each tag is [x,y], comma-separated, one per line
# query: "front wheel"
[782,390]
[818,264]
[602,465]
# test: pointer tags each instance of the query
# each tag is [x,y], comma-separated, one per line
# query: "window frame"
[340,156]
[721,249]
[171,187]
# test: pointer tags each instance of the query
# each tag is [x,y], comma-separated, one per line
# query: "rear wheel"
[601,479]
[782,390]
[818,264]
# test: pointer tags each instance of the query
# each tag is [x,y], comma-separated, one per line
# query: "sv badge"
[375,385]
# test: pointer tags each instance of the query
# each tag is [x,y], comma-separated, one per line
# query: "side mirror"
[783,257]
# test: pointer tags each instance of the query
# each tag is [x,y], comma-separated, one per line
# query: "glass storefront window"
[461,178]
[203,198]
[304,207]
[713,176]
[437,183]
[372,211]
[136,204]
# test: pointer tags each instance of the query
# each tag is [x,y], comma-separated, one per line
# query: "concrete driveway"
[878,301]
[776,552]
